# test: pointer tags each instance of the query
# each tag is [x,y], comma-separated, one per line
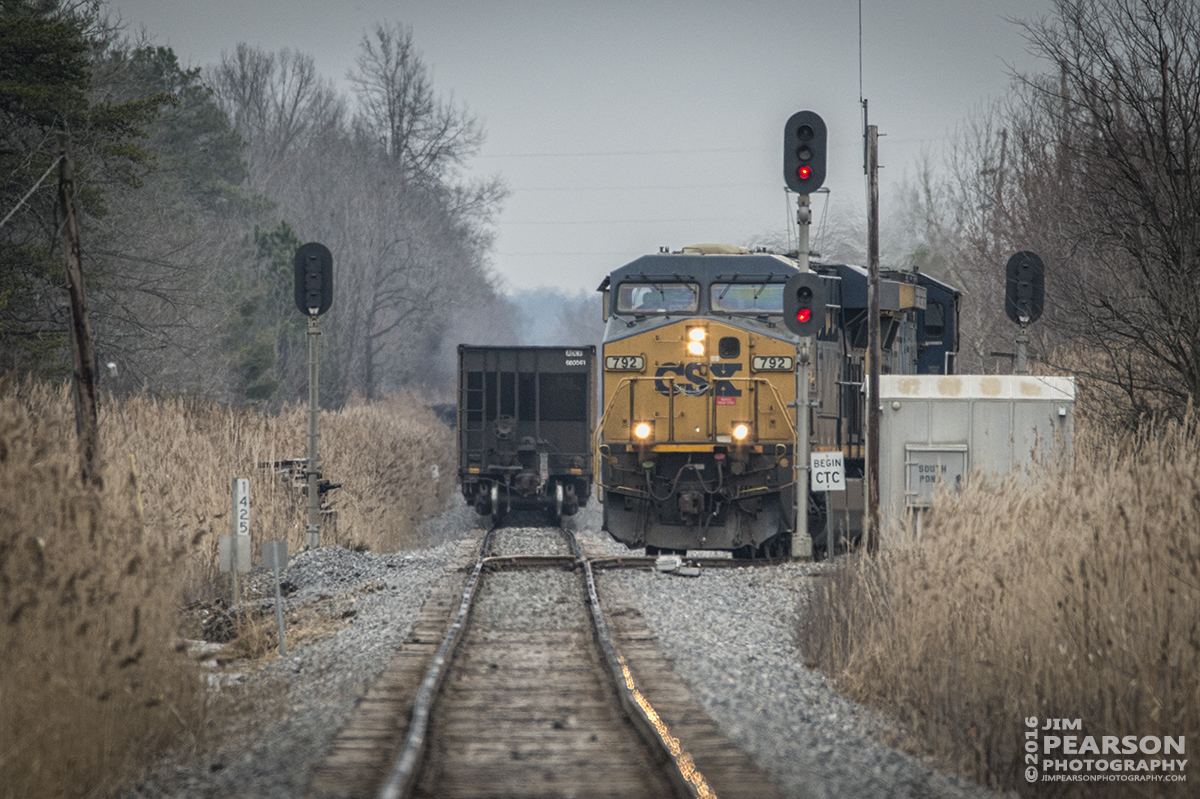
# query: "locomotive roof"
[710,263]
[703,268]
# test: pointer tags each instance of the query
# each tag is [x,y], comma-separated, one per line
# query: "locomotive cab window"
[658,298]
[935,320]
[747,298]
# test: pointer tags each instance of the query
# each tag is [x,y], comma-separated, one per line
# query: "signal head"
[804,304]
[1024,287]
[804,152]
[313,272]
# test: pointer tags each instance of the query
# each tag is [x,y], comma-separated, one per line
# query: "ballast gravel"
[729,633]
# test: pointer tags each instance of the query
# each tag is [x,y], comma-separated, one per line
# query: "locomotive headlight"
[696,341]
[643,430]
[740,431]
[695,347]
[696,334]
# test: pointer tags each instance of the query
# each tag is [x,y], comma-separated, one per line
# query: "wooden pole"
[83,360]
[874,349]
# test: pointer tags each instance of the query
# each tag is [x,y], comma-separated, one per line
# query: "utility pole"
[83,360]
[874,349]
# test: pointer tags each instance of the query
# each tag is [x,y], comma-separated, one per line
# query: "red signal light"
[803,315]
[804,172]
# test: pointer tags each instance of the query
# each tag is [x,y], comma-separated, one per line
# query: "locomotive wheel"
[778,547]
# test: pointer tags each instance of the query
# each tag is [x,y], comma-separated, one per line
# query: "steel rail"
[649,562]
[401,778]
[686,778]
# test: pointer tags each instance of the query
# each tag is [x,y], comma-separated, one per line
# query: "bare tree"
[384,190]
[276,102]
[424,135]
[1093,163]
[1115,131]
[429,226]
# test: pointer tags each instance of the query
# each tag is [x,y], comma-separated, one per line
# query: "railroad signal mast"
[804,138]
[313,265]
[1024,295]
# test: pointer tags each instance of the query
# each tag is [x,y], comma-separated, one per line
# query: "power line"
[503,222]
[29,193]
[639,188]
[558,253]
[624,152]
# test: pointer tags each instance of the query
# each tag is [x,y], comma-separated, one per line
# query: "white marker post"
[233,551]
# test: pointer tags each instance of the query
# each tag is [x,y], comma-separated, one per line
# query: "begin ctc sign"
[827,471]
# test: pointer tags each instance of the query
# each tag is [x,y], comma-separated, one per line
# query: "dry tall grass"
[188,451]
[92,580]
[1074,596]
[89,675]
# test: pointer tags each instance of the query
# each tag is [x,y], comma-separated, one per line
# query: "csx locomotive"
[696,439]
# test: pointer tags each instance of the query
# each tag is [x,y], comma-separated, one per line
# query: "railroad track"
[524,685]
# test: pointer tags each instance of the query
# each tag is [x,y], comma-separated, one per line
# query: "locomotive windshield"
[647,298]
[747,298]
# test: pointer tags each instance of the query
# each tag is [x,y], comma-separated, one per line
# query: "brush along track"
[528,694]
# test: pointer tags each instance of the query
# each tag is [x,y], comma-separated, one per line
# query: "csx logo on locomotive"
[694,384]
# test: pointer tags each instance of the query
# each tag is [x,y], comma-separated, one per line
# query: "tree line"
[196,186]
[1092,161]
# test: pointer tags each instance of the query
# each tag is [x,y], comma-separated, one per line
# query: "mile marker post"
[233,550]
[313,267]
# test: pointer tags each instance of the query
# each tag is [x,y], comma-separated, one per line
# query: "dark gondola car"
[525,421]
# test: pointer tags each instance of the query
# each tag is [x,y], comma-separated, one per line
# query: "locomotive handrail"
[778,399]
[604,416]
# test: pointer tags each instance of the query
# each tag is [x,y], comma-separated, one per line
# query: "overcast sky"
[621,127]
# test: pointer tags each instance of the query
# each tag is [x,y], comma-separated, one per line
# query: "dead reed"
[1072,596]
[92,679]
